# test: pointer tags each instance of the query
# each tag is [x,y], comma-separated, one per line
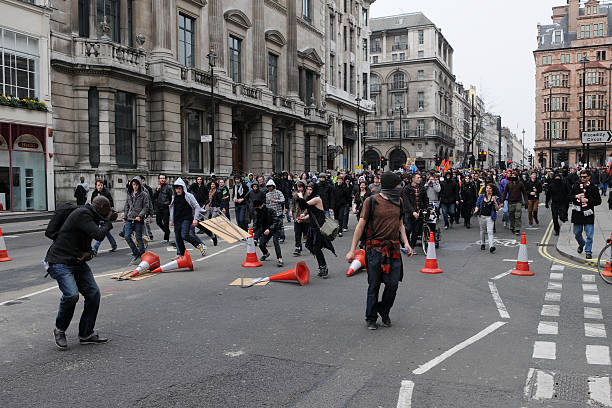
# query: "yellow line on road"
[543,250]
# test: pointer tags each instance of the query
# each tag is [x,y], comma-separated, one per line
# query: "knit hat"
[102,206]
[389,180]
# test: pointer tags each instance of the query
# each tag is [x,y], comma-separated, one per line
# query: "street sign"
[601,136]
[206,138]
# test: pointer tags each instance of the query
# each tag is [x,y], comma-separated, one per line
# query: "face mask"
[557,180]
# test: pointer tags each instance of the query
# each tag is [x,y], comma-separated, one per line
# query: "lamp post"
[212,61]
[473,115]
[606,107]
[401,112]
[584,63]
[550,129]
[358,100]
[523,142]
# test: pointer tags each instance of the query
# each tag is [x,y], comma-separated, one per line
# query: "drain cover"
[571,388]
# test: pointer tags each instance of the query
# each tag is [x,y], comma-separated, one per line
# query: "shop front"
[23,179]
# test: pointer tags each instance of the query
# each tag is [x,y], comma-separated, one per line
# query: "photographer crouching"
[72,230]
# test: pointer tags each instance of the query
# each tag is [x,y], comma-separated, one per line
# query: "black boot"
[535,218]
[323,272]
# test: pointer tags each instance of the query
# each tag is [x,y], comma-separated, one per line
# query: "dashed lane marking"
[599,355]
[555,286]
[501,275]
[557,267]
[545,350]
[437,360]
[556,276]
[404,399]
[594,299]
[588,278]
[544,386]
[594,330]
[548,328]
[552,297]
[593,313]
[589,287]
[551,310]
[501,308]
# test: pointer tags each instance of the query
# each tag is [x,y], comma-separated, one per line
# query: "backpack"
[57,221]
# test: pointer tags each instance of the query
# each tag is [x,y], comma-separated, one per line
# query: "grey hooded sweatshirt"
[190,198]
[136,205]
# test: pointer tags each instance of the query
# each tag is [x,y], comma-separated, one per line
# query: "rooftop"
[406,20]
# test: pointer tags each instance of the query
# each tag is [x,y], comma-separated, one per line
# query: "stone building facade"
[577,31]
[131,87]
[26,128]
[412,86]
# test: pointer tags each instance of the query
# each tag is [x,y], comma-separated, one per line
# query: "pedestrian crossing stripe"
[545,385]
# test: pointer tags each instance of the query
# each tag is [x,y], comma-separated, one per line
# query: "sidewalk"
[567,245]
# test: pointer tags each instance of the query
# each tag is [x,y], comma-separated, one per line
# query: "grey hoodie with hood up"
[190,198]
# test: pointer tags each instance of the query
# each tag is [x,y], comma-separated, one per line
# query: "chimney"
[572,17]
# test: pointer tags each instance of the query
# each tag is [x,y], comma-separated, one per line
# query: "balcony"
[283,102]
[89,51]
[196,75]
[246,91]
[397,47]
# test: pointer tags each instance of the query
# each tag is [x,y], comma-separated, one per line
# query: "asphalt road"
[187,339]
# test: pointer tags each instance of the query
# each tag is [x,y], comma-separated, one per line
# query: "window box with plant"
[26,103]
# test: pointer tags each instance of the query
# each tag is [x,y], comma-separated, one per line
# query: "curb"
[6,234]
[576,258]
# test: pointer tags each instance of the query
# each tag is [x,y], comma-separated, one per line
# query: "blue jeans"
[604,188]
[588,229]
[447,209]
[111,240]
[184,231]
[241,216]
[71,280]
[137,227]
[375,278]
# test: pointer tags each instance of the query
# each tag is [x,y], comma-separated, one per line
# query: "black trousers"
[263,240]
[558,211]
[414,228]
[162,218]
[300,229]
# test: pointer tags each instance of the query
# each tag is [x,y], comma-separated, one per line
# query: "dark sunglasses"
[584,176]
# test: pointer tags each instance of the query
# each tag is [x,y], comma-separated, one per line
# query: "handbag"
[330,227]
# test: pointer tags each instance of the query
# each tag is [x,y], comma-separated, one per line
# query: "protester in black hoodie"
[255,194]
[341,197]
[325,193]
[100,190]
[67,264]
[468,196]
[449,198]
[557,193]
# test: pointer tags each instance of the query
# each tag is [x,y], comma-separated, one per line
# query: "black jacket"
[253,195]
[468,194]
[409,199]
[104,193]
[163,197]
[325,192]
[236,194]
[449,192]
[74,237]
[531,186]
[266,219]
[200,192]
[341,195]
[558,193]
[583,215]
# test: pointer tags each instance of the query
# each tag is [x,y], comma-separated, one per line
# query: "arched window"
[372,158]
[398,80]
[397,159]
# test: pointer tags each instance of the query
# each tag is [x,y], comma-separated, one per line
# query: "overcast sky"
[493,42]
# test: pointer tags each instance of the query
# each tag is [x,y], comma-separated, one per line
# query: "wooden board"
[235,230]
[219,232]
[124,276]
[246,282]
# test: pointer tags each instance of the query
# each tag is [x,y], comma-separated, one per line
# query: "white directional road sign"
[601,136]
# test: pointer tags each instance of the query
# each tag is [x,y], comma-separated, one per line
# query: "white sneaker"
[203,249]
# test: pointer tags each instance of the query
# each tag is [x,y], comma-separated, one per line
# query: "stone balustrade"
[105,52]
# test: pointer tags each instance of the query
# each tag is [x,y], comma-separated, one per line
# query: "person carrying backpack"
[72,230]
[102,191]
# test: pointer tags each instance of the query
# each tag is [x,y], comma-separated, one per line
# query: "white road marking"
[515,260]
[404,399]
[548,328]
[501,275]
[594,330]
[552,297]
[107,274]
[434,362]
[589,287]
[588,278]
[555,286]
[501,308]
[556,276]
[556,267]
[234,353]
[598,354]
[599,391]
[590,299]
[593,313]
[544,385]
[527,388]
[550,310]
[545,349]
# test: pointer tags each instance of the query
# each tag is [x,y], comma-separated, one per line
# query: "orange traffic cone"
[251,260]
[522,263]
[184,262]
[149,261]
[300,274]
[358,262]
[431,263]
[3,254]
[607,272]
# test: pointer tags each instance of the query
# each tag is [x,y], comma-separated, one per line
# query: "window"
[591,125]
[404,128]
[352,78]
[594,9]
[585,31]
[19,62]
[235,58]
[365,49]
[376,45]
[598,30]
[579,57]
[394,57]
[546,104]
[565,59]
[374,100]
[420,128]
[93,110]
[332,29]
[593,78]
[421,54]
[601,55]
[378,131]
[564,104]
[344,78]
[588,11]
[125,130]
[557,37]
[109,10]
[352,39]
[186,40]
[402,56]
[374,85]
[310,88]
[83,18]
[421,75]
[547,60]
[195,148]
[365,16]
[273,73]
[398,101]
[390,129]
[306,152]
[306,10]
[344,39]
[321,148]
[398,80]
[421,37]
[375,59]
[421,100]
[364,85]
[332,68]
[595,101]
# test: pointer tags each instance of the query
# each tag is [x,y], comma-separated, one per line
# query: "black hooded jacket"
[449,192]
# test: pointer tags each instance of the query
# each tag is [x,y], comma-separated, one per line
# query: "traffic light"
[482,156]
[509,163]
[383,162]
[530,160]
[438,160]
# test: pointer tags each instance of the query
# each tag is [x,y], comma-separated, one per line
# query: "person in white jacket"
[184,215]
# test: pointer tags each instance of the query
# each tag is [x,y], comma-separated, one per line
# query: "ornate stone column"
[215,24]
[259,44]
[162,27]
[292,66]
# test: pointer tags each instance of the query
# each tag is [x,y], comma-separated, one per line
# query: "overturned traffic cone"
[3,254]
[300,274]
[358,262]
[431,263]
[184,262]
[522,263]
[607,272]
[149,261]
[251,260]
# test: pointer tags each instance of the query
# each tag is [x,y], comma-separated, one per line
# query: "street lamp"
[212,61]
[523,142]
[401,112]
[550,129]
[584,61]
[358,100]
